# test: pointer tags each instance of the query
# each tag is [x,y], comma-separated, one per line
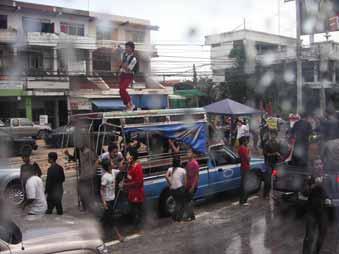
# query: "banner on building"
[79,104]
[43,119]
[319,16]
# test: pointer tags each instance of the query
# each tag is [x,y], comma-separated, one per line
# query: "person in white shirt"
[242,130]
[112,154]
[176,178]
[107,193]
[35,202]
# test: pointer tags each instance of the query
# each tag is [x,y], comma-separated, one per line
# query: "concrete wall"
[15,20]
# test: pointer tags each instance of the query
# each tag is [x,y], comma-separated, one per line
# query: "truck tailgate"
[287,178]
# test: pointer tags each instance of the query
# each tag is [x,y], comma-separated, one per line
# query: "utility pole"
[195,78]
[299,61]
[279,17]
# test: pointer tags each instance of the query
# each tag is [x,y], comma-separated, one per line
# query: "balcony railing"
[8,35]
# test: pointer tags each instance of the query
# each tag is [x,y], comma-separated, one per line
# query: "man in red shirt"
[192,181]
[135,187]
[244,154]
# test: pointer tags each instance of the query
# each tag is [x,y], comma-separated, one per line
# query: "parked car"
[82,237]
[2,124]
[23,127]
[10,186]
[60,137]
[15,146]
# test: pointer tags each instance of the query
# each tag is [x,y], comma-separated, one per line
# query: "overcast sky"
[191,20]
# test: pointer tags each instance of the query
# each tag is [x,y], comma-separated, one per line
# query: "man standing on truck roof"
[128,67]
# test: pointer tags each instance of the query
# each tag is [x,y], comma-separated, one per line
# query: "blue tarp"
[108,104]
[194,135]
[231,108]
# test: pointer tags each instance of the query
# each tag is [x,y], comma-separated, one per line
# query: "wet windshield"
[201,126]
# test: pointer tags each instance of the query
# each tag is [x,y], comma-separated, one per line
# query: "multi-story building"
[254,42]
[56,60]
[272,58]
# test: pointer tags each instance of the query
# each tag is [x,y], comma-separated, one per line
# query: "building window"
[72,29]
[136,36]
[35,61]
[105,33]
[37,25]
[3,22]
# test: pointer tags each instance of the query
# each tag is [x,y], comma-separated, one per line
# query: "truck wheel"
[166,204]
[14,193]
[26,149]
[42,134]
[253,182]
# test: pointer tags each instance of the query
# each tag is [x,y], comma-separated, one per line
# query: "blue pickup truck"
[219,165]
[219,172]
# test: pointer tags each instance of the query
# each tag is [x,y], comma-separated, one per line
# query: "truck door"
[225,170]
[26,128]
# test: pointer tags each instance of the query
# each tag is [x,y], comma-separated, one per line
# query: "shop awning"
[108,104]
[189,93]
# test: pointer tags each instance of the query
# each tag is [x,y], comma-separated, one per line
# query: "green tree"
[238,83]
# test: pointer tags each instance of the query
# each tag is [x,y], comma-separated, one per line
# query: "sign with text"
[79,104]
[43,119]
[317,16]
[9,84]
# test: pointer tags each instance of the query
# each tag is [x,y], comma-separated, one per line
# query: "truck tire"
[14,193]
[42,134]
[166,204]
[25,149]
[253,181]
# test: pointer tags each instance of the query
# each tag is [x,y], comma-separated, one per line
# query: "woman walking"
[176,179]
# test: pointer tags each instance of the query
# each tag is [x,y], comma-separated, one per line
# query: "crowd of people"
[312,144]
[121,176]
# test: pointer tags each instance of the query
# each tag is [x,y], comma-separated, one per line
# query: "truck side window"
[26,122]
[15,123]
[221,157]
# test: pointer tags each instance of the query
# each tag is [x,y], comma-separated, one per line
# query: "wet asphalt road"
[225,227]
[221,226]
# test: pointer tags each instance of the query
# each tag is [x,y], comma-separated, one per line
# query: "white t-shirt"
[35,190]
[243,131]
[107,156]
[177,179]
[108,181]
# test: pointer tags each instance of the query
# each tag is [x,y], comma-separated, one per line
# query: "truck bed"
[288,178]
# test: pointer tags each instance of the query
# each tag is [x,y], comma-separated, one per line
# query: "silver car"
[64,236]
[10,186]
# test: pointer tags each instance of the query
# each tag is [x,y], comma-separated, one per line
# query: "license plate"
[302,197]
